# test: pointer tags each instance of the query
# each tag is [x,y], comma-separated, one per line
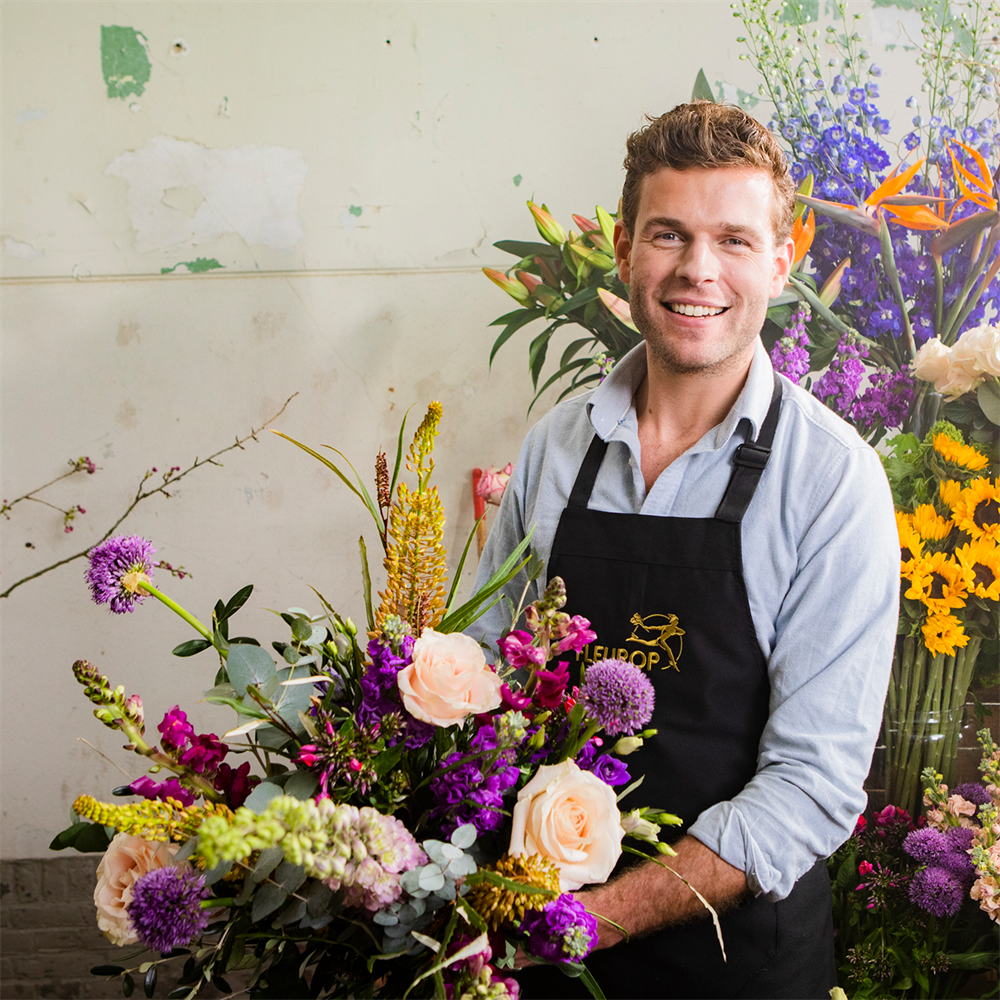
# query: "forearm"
[649,897]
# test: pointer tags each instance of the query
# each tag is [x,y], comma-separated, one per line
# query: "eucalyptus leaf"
[464,836]
[267,899]
[220,871]
[301,785]
[248,665]
[290,877]
[269,859]
[989,399]
[258,799]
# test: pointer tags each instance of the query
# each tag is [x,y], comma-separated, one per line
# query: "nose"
[698,263]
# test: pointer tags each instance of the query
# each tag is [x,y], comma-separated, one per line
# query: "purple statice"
[790,356]
[886,402]
[175,730]
[117,565]
[617,695]
[562,931]
[974,792]
[380,690]
[162,790]
[473,791]
[611,770]
[936,891]
[166,909]
[838,387]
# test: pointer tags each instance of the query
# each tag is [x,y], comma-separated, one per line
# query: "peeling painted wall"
[209,207]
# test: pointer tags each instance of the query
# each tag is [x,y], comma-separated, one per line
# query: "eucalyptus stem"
[176,608]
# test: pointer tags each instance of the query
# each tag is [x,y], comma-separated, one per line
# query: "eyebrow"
[734,228]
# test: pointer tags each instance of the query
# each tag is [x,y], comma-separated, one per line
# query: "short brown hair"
[706,134]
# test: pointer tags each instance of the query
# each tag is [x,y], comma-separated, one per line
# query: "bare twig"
[169,479]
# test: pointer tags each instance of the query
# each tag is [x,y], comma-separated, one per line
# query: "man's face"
[701,265]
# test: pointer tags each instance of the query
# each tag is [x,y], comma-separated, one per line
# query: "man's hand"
[649,897]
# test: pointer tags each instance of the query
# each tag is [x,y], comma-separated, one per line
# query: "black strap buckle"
[752,455]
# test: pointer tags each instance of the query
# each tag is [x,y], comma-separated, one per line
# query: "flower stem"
[175,607]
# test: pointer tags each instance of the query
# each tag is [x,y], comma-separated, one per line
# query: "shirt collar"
[612,402]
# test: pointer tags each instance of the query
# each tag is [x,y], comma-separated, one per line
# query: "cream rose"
[125,861]
[448,679]
[571,817]
[932,361]
[979,349]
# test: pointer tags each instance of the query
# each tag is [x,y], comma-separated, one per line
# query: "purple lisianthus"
[166,908]
[162,790]
[563,931]
[175,730]
[618,695]
[551,685]
[517,650]
[611,770]
[937,891]
[117,566]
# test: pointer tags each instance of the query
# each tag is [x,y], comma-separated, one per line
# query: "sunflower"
[949,490]
[942,633]
[929,524]
[940,582]
[978,509]
[981,559]
[911,548]
[962,455]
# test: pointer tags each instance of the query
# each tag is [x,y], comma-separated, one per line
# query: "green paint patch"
[810,11]
[197,266]
[124,60]
[355,210]
[517,180]
[901,4]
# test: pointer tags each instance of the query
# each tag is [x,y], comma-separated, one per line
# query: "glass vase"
[924,711]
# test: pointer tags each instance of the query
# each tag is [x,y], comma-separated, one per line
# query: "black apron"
[667,594]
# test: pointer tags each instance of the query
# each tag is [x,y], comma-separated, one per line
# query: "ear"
[783,258]
[623,247]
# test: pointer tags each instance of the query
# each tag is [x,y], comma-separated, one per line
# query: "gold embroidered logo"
[655,630]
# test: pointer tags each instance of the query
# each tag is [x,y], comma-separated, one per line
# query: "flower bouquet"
[904,892]
[948,517]
[416,813]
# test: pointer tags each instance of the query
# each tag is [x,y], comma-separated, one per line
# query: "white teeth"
[686,310]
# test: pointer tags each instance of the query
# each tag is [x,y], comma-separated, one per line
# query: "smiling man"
[695,487]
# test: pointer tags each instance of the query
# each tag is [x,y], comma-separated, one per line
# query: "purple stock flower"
[171,788]
[116,566]
[517,650]
[840,383]
[936,891]
[235,783]
[618,695]
[551,685]
[578,634]
[887,400]
[380,691]
[166,908]
[205,753]
[563,931]
[789,355]
[175,730]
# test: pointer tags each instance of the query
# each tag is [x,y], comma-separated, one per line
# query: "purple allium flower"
[936,891]
[166,908]
[927,846]
[175,730]
[972,791]
[563,931]
[172,788]
[116,566]
[617,695]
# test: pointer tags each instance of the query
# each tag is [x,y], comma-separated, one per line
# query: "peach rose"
[125,861]
[570,816]
[448,679]
[932,361]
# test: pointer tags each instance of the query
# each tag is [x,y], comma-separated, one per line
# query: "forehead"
[709,196]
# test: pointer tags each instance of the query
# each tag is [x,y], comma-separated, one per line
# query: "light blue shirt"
[821,564]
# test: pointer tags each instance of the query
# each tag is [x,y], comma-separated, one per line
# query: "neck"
[676,409]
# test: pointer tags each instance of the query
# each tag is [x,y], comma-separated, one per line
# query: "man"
[727,532]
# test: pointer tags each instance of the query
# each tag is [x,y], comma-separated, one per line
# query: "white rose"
[448,679]
[958,379]
[979,349]
[125,861]
[569,816]
[932,361]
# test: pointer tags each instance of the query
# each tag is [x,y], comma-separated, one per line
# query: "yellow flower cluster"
[941,580]
[499,906]
[962,455]
[150,819]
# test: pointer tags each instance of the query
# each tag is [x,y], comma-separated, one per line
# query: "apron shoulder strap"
[749,461]
[588,473]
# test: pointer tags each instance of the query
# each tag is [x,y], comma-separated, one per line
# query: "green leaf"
[972,960]
[520,248]
[989,399]
[237,601]
[269,859]
[258,799]
[149,983]
[702,89]
[388,759]
[248,665]
[266,900]
[575,347]
[366,580]
[302,785]
[580,299]
[191,647]
[128,985]
[537,351]
[87,838]
[565,370]
[525,317]
[456,578]
[399,452]
[242,707]
[290,877]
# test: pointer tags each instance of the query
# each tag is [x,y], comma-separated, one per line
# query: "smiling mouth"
[687,310]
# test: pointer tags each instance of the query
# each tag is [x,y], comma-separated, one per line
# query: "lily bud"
[627,745]
[607,226]
[594,233]
[636,825]
[352,629]
[550,230]
[537,741]
[591,257]
[538,291]
[831,287]
[511,286]
[617,307]
[648,734]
